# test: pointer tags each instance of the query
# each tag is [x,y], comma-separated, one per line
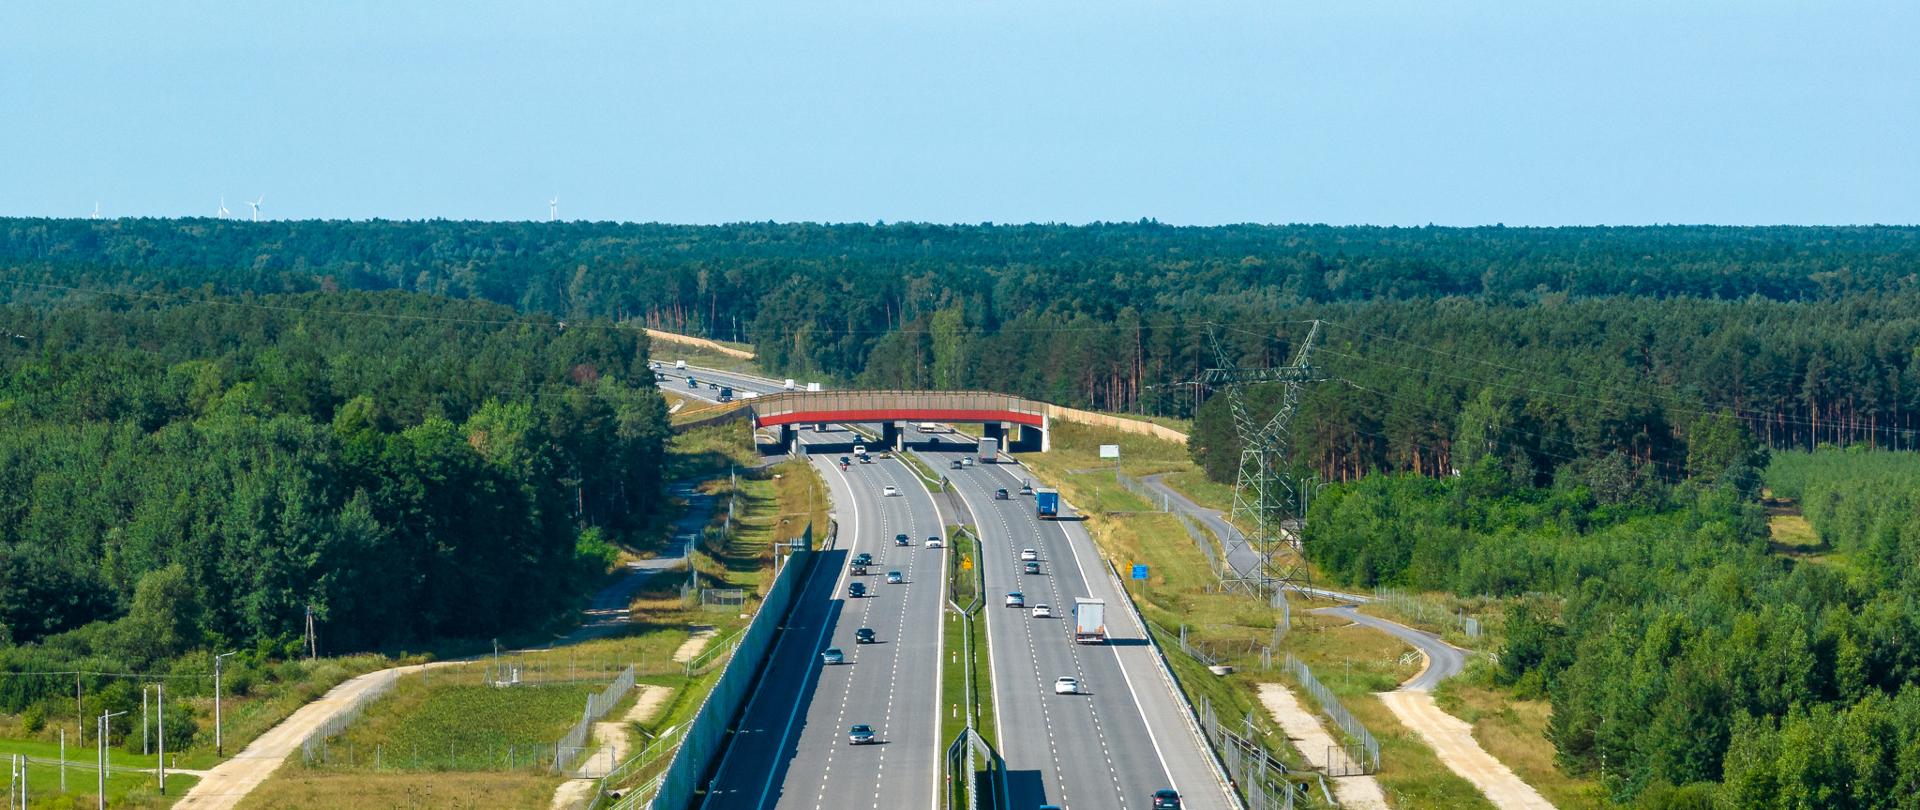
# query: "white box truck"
[813,386]
[989,450]
[1089,621]
[789,385]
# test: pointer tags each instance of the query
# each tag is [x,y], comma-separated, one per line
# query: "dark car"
[901,540]
[1033,568]
[863,558]
[1166,799]
[894,578]
[693,383]
[956,464]
[844,461]
[864,635]
[857,590]
[861,734]
[1000,494]
[1026,489]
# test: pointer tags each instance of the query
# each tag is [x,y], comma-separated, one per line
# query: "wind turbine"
[223,206]
[255,205]
[553,209]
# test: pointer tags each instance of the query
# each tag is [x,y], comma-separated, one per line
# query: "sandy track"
[229,782]
[1310,737]
[1452,740]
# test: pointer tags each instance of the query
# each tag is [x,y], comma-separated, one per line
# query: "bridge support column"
[996,431]
[787,444]
[890,435]
[1031,440]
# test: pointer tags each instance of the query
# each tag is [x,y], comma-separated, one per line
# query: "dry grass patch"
[319,790]
[1515,732]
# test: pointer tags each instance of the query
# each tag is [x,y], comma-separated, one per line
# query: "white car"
[1016,599]
[1066,686]
[1029,555]
[1042,612]
[889,490]
[934,542]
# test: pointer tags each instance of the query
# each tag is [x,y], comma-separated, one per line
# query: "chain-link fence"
[1425,611]
[1263,780]
[1363,756]
[313,746]
[573,744]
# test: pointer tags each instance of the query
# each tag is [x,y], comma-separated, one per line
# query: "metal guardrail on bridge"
[770,408]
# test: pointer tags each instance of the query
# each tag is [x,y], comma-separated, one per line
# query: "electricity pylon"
[1264,496]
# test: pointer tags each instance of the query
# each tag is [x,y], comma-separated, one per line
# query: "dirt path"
[1310,737]
[612,748]
[227,783]
[1452,739]
[695,642]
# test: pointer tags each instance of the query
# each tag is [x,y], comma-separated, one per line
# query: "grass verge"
[1515,732]
[320,790]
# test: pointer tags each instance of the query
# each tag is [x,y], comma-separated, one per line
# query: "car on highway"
[966,461]
[894,578]
[1029,555]
[956,464]
[833,655]
[901,540]
[1016,599]
[889,490]
[1166,799]
[714,386]
[935,542]
[859,449]
[864,635]
[866,459]
[844,461]
[1042,612]
[1064,685]
[1026,489]
[1033,567]
[693,383]
[1000,494]
[856,590]
[860,734]
[863,558]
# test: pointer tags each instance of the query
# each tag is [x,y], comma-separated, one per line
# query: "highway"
[1130,735]
[791,749]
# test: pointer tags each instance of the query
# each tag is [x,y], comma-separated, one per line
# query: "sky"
[1347,112]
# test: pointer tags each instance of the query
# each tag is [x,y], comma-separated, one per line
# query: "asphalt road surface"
[1128,735]
[792,749]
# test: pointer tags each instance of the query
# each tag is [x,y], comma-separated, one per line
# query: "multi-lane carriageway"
[1111,747]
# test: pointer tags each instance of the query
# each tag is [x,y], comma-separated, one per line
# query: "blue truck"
[1046,502]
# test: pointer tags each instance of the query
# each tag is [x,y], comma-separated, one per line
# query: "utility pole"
[160,692]
[313,645]
[218,750]
[144,719]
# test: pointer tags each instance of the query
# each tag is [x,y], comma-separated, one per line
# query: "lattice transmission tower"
[1265,496]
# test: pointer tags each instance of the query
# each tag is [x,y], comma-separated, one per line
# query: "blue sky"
[1354,111]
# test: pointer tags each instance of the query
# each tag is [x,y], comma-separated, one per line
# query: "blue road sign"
[1139,572]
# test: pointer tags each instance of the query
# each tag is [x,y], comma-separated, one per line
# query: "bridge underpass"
[1020,425]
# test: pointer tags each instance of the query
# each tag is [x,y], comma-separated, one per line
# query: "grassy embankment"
[1182,589]
[476,740]
[963,582]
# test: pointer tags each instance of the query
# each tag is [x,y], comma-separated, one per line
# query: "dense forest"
[179,475]
[1577,342]
[1678,646]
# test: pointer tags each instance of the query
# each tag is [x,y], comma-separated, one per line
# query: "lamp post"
[218,750]
[100,739]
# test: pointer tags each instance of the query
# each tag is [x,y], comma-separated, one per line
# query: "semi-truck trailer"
[1046,502]
[1089,621]
[989,450]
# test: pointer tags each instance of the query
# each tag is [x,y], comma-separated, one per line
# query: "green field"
[129,788]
